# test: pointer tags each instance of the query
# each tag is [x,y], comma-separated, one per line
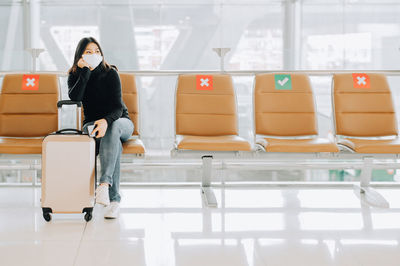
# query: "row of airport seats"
[285,119]
[29,113]
[206,116]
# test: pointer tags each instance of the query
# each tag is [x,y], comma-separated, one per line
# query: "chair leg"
[206,188]
[366,172]
[367,194]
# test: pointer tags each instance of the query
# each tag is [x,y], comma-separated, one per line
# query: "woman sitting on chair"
[97,85]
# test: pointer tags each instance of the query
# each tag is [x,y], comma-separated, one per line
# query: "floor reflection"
[170,226]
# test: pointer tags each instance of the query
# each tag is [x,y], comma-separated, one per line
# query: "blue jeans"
[110,153]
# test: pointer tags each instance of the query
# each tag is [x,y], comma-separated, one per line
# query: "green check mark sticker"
[283,82]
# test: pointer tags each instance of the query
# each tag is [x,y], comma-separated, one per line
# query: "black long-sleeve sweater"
[100,93]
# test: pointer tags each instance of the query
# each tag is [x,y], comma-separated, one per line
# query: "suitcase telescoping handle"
[78,112]
[70,131]
[68,102]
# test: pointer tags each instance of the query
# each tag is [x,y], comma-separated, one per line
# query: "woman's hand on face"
[82,63]
[100,127]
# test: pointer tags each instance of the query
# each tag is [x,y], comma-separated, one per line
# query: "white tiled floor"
[169,226]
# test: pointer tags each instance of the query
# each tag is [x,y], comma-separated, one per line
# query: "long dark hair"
[80,49]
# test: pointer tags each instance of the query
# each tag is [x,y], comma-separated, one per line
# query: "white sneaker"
[113,211]
[102,196]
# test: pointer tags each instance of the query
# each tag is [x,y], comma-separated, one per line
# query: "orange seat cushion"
[21,146]
[388,146]
[133,146]
[298,145]
[34,146]
[213,143]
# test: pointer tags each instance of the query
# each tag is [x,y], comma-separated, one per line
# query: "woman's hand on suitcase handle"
[100,128]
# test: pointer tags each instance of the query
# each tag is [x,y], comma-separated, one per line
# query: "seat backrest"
[130,98]
[284,105]
[363,105]
[205,112]
[28,105]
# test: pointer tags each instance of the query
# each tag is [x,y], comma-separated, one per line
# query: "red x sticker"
[360,81]
[204,82]
[30,82]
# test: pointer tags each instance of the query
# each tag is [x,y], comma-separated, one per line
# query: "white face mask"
[92,59]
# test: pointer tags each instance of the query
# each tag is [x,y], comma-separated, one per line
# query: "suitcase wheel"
[46,214]
[88,213]
[88,216]
[47,217]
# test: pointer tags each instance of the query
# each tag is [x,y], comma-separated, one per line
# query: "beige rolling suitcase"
[68,173]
